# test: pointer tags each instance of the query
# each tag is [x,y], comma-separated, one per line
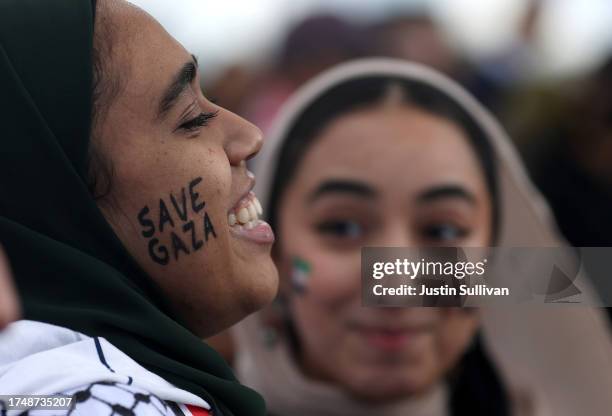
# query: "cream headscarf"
[561,356]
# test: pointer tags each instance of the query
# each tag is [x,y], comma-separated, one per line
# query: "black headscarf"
[70,268]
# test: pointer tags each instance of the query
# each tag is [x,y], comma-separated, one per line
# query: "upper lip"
[248,189]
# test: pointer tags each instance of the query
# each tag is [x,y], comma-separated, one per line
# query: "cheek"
[168,206]
[442,350]
[480,237]
[331,278]
[177,225]
[335,280]
[455,334]
[331,287]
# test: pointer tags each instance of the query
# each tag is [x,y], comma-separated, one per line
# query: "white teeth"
[243,216]
[231,218]
[258,207]
[246,216]
[252,212]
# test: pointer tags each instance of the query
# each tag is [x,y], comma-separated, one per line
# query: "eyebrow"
[446,191]
[343,186]
[179,84]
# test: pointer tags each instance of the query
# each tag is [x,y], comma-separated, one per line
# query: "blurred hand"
[9,306]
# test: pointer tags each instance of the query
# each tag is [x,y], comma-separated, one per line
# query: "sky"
[573,35]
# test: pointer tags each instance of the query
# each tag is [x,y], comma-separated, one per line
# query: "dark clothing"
[70,268]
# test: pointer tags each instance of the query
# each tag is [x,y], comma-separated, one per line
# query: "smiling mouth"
[244,221]
[246,212]
[391,337]
[390,340]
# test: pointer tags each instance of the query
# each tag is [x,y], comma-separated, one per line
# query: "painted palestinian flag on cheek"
[300,274]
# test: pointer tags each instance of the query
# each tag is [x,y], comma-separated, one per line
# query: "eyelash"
[341,228]
[436,232]
[199,121]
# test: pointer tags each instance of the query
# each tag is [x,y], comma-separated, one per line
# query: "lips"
[387,340]
[389,337]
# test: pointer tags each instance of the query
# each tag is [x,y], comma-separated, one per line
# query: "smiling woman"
[130,251]
[387,153]
[416,170]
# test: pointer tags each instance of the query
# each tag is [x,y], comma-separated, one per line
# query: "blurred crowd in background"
[561,125]
[546,73]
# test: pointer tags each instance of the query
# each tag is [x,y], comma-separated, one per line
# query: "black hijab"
[70,268]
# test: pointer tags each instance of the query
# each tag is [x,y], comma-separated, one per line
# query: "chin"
[262,284]
[376,389]
[256,287]
[252,290]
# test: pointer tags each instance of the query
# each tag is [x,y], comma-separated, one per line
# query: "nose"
[242,140]
[397,234]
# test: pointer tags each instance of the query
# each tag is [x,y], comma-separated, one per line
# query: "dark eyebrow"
[342,186]
[180,82]
[446,191]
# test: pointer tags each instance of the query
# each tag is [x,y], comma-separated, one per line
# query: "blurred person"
[388,153]
[232,85]
[415,37]
[569,152]
[517,62]
[317,43]
[418,38]
[9,306]
[313,45]
[127,213]
[571,161]
[502,78]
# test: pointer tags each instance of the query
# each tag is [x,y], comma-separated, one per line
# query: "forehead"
[145,53]
[397,148]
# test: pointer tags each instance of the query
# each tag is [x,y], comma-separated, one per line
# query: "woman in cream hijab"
[388,153]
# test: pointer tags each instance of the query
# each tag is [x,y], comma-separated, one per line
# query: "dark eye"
[444,232]
[341,229]
[197,122]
